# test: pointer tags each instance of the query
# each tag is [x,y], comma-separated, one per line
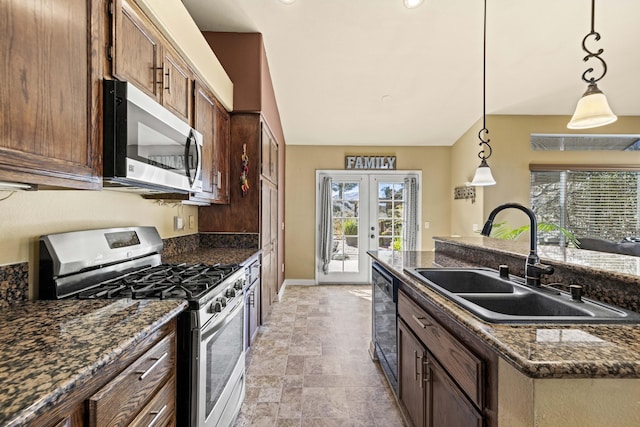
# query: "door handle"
[373,236]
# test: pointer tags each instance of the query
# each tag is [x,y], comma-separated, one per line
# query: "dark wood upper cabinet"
[222,141]
[139,54]
[135,49]
[212,121]
[176,86]
[50,93]
[203,120]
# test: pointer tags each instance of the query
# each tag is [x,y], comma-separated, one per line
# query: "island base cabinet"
[138,386]
[411,390]
[446,405]
[429,394]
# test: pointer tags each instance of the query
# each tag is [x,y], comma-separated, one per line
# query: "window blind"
[599,204]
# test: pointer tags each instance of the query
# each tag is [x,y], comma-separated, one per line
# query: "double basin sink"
[498,299]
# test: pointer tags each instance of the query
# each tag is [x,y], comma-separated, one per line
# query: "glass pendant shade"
[411,4]
[483,176]
[592,110]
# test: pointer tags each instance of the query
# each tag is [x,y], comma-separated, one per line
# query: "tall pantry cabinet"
[256,133]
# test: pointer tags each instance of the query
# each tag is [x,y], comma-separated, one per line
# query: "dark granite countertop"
[538,351]
[212,256]
[49,348]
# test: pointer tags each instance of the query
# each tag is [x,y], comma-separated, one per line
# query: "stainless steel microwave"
[147,148]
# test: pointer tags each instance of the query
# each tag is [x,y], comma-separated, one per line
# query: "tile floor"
[310,365]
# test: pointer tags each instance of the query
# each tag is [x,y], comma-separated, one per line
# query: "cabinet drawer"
[463,366]
[117,402]
[160,411]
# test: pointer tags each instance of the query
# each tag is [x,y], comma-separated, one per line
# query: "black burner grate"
[165,281]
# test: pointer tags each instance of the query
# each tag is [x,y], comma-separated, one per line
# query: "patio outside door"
[367,213]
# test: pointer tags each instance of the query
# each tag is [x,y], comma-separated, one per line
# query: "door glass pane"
[390,214]
[346,223]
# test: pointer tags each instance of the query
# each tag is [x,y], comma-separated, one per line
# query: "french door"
[368,212]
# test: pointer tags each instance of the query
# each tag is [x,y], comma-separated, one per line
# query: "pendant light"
[483,176]
[593,109]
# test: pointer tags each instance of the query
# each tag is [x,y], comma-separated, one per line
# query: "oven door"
[221,382]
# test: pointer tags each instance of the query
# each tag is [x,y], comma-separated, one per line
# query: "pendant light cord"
[484,131]
[484,69]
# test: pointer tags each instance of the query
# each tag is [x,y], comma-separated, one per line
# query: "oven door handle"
[209,331]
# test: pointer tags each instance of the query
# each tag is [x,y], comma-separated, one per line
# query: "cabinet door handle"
[419,321]
[427,370]
[152,367]
[168,76]
[157,414]
[415,367]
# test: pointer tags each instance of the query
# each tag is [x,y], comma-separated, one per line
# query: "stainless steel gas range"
[126,263]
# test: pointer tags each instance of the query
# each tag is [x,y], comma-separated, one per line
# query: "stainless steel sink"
[508,300]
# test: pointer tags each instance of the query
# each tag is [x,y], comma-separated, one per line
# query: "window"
[390,215]
[587,142]
[590,204]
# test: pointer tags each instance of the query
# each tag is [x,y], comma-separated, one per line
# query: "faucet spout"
[533,268]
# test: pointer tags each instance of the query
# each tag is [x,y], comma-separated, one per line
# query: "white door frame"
[363,232]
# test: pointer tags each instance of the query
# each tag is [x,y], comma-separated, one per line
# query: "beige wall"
[510,161]
[464,161]
[26,215]
[301,165]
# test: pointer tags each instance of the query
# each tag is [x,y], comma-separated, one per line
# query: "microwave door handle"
[198,161]
[191,139]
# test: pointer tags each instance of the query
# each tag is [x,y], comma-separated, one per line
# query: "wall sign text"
[370,162]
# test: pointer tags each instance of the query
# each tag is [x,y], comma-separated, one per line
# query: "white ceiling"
[371,72]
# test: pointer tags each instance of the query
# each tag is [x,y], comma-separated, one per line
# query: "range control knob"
[216,307]
[230,292]
[239,284]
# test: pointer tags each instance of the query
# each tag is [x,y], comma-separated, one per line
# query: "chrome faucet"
[533,268]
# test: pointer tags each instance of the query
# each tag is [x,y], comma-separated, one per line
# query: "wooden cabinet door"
[411,386]
[222,140]
[265,212]
[254,312]
[269,154]
[273,160]
[203,121]
[176,84]
[50,94]
[265,285]
[136,49]
[446,404]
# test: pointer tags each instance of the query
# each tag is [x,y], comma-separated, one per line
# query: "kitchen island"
[536,374]
[50,351]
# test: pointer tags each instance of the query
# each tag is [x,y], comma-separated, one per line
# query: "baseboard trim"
[299,282]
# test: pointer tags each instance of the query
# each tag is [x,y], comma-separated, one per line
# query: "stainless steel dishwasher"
[385,310]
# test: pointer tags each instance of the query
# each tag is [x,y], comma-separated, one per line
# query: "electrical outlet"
[475,227]
[427,225]
[192,222]
[178,223]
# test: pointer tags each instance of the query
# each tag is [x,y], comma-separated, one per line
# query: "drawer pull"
[158,415]
[419,321]
[152,367]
